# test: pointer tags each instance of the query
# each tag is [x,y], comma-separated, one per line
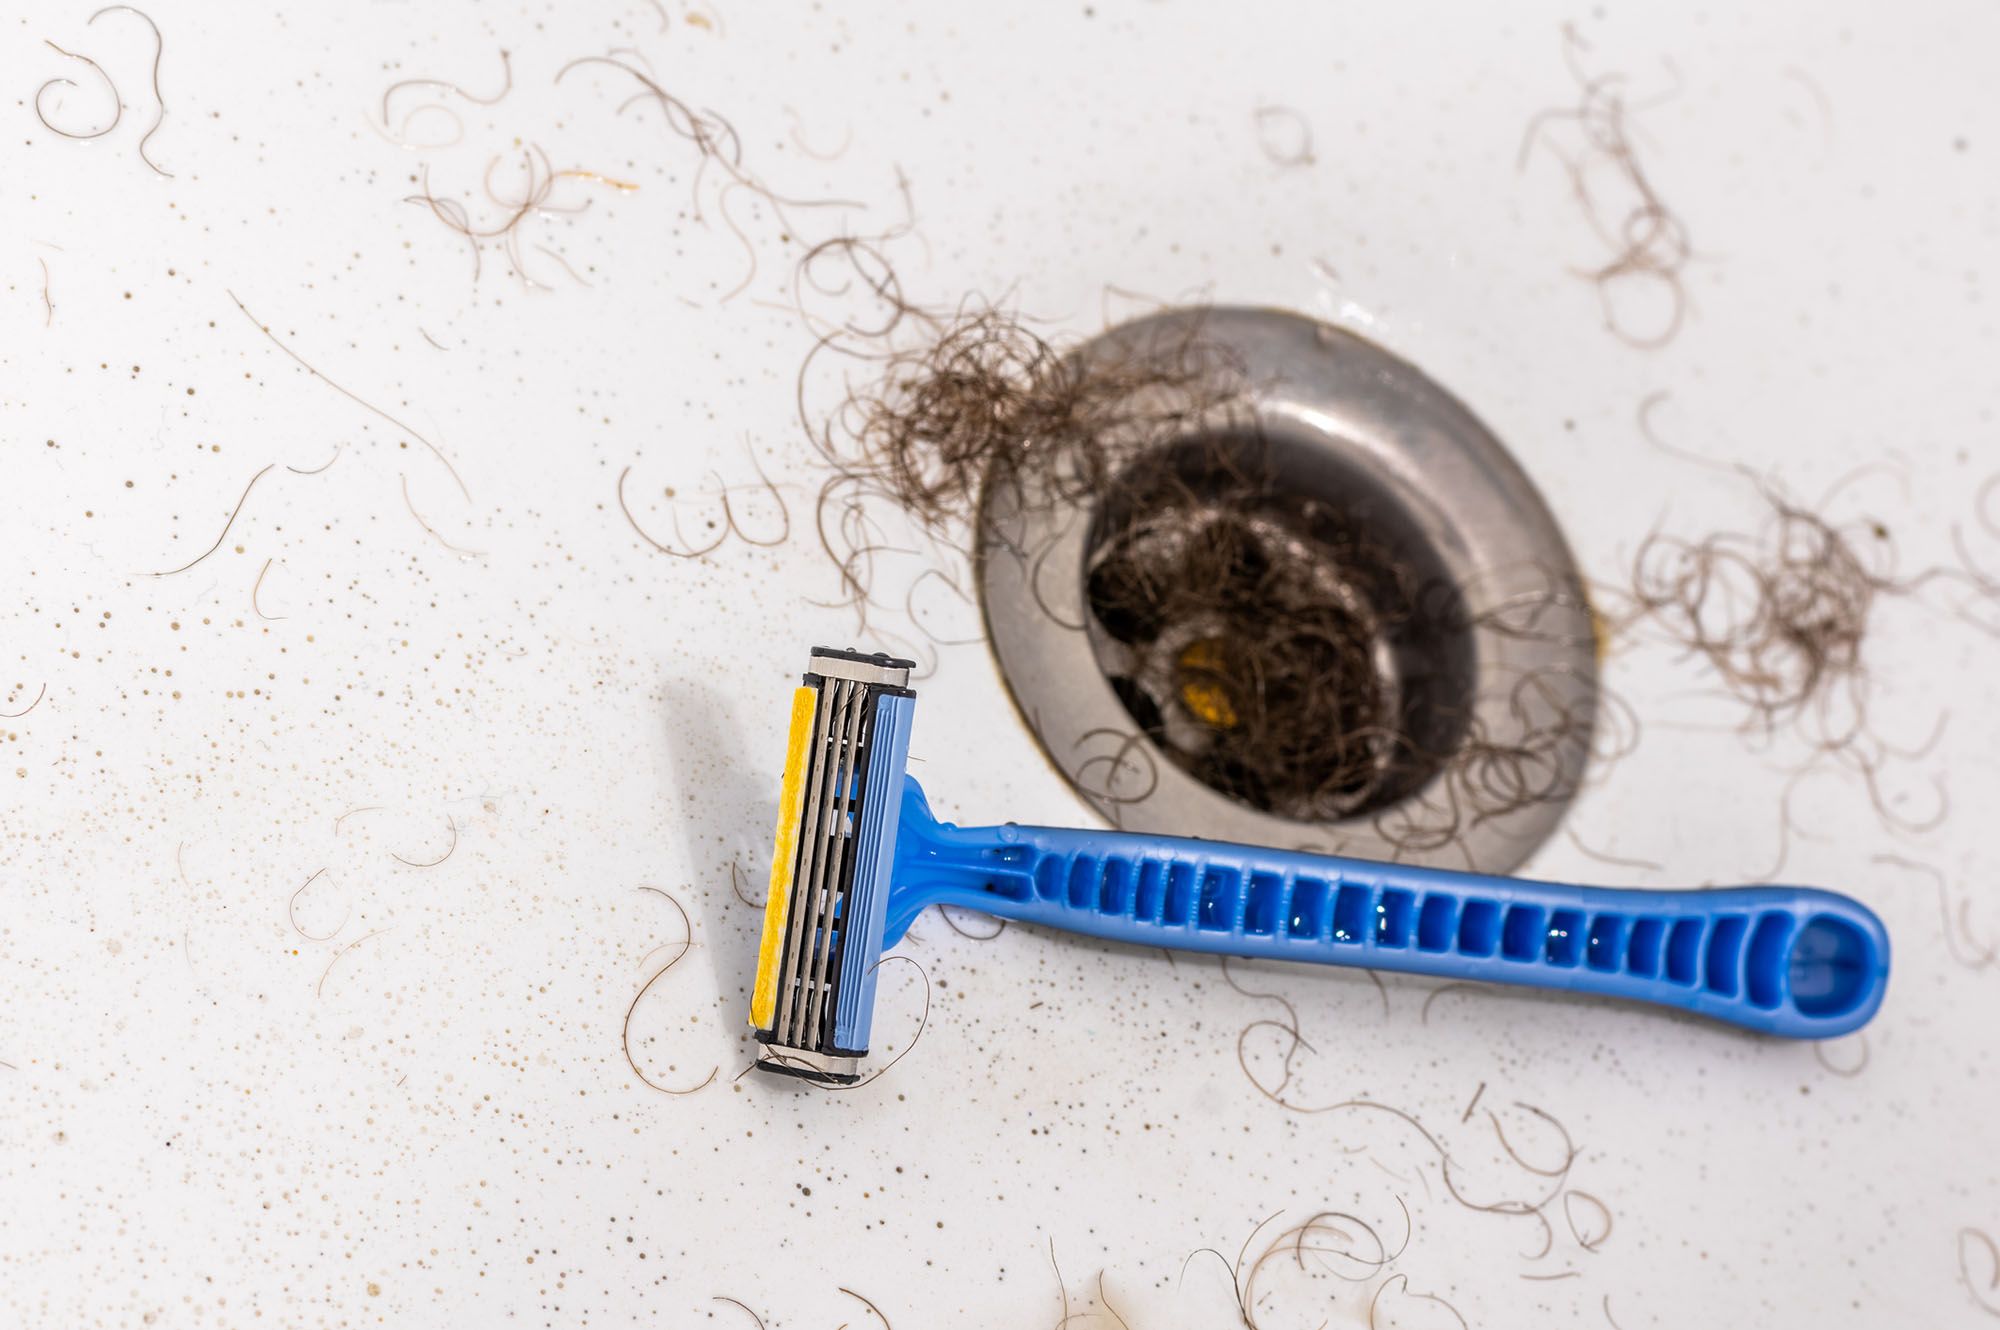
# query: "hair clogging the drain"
[1284,646]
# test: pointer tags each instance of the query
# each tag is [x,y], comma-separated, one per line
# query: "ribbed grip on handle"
[1788,961]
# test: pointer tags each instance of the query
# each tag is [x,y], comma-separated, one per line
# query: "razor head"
[814,998]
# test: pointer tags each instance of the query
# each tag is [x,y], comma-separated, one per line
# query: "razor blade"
[836,845]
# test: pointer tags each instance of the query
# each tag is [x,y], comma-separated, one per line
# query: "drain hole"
[1313,602]
[1273,619]
[1140,705]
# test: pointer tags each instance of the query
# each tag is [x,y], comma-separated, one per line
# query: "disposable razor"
[858,856]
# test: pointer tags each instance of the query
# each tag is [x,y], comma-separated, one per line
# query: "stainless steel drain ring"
[1352,420]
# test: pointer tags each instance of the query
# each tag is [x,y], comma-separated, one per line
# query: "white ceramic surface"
[399,1098]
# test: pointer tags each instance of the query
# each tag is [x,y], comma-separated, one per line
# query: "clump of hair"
[1284,655]
[1254,672]
[957,406]
[1780,615]
[983,399]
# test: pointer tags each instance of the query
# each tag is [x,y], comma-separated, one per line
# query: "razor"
[859,855]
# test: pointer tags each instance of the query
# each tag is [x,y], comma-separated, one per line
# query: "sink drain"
[1323,609]
[1278,627]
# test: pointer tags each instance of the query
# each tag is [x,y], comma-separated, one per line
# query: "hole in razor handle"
[1832,966]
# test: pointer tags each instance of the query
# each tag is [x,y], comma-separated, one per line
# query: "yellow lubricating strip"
[778,904]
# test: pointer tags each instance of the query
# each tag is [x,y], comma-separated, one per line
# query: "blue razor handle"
[1791,961]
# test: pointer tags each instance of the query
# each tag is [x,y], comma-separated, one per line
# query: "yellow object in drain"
[1202,691]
